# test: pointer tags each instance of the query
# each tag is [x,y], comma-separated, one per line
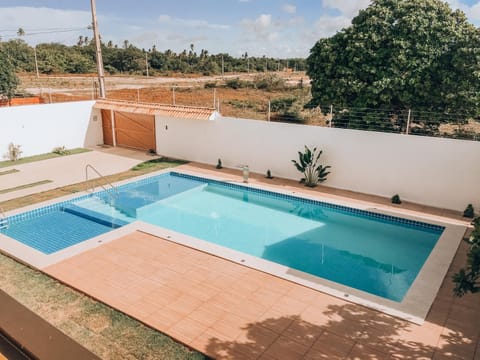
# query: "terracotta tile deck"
[226,310]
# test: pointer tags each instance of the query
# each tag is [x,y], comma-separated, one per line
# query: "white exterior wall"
[40,128]
[432,171]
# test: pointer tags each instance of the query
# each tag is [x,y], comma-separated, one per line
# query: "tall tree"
[400,54]
[8,79]
[20,32]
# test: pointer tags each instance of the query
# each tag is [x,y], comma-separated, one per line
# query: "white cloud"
[190,22]
[327,26]
[263,21]
[289,8]
[472,12]
[347,8]
[259,26]
[164,18]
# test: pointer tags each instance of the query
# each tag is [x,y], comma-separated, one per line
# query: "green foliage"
[80,58]
[308,165]
[467,279]
[242,104]
[269,82]
[396,199]
[8,79]
[61,150]
[397,55]
[158,163]
[282,104]
[210,85]
[286,109]
[237,84]
[219,164]
[469,211]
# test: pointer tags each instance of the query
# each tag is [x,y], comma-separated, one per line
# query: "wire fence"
[287,106]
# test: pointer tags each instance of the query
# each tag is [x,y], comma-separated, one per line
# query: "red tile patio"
[229,311]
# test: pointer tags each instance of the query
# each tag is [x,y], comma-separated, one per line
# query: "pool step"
[94,216]
[4,224]
[101,206]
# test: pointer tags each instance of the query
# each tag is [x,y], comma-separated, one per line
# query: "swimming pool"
[371,252]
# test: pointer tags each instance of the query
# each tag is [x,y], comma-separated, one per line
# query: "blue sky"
[274,28]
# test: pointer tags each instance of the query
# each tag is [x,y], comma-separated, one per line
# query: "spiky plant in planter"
[308,165]
[396,199]
[219,164]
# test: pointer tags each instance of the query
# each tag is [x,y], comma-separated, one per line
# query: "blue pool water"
[375,253]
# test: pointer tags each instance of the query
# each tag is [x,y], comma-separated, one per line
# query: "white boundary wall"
[40,128]
[432,171]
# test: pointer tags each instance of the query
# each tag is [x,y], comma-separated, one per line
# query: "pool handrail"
[109,190]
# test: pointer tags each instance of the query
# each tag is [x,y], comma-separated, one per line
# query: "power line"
[65,30]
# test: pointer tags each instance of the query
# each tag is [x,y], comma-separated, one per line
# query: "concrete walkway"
[67,170]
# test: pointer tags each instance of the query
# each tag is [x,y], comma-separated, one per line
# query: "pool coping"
[414,307]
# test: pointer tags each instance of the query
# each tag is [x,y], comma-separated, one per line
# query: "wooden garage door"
[107,127]
[135,130]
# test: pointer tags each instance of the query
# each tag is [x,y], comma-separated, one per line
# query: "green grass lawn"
[104,331]
[52,155]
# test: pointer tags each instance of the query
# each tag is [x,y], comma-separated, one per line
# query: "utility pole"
[36,62]
[223,68]
[146,62]
[101,75]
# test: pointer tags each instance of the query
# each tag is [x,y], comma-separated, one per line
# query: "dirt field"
[180,90]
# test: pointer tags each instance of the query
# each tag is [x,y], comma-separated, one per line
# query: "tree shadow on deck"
[340,331]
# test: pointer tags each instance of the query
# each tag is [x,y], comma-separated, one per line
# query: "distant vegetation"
[129,59]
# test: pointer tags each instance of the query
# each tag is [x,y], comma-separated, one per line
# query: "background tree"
[397,55]
[8,79]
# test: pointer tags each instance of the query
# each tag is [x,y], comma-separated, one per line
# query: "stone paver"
[270,318]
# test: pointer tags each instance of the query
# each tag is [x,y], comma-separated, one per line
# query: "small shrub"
[60,150]
[210,85]
[269,174]
[469,212]
[219,164]
[467,279]
[242,104]
[396,199]
[269,82]
[14,152]
[281,104]
[237,83]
